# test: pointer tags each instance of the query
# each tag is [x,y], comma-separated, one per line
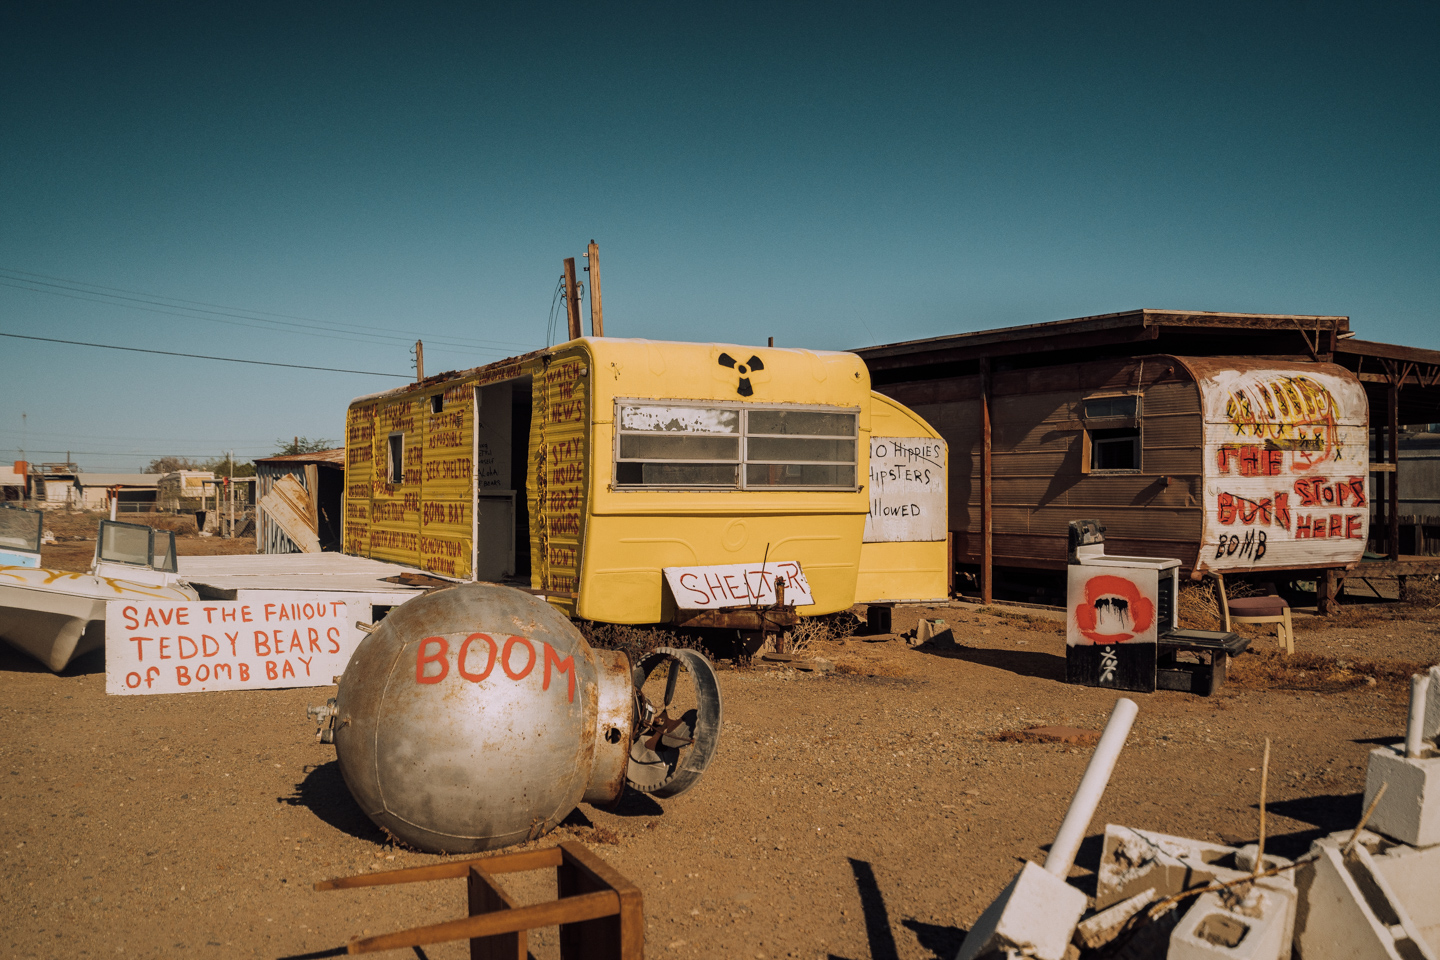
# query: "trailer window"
[680,445]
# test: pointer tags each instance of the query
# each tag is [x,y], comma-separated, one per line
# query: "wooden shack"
[1233,442]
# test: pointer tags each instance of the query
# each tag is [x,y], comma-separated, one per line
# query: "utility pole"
[597,313]
[572,300]
[419,361]
[230,459]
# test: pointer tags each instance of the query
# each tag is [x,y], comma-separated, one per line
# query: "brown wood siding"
[1039,477]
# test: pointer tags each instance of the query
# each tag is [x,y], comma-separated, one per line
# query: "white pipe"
[1091,789]
[1415,728]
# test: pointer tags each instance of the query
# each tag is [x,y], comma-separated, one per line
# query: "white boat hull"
[56,616]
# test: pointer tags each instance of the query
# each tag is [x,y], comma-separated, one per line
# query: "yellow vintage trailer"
[587,469]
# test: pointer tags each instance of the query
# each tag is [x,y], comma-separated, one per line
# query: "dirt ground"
[872,812]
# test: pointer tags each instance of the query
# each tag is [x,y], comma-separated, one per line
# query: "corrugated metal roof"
[335,456]
[117,479]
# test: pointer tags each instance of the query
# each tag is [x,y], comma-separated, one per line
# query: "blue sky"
[334,180]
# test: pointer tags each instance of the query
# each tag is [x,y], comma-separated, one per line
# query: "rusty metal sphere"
[477,716]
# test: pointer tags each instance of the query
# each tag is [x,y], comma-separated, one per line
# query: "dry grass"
[636,642]
[1423,592]
[833,626]
[85,523]
[1271,670]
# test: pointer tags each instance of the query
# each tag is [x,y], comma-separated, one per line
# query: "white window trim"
[743,438]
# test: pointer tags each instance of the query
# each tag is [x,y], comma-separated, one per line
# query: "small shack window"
[1113,450]
[395,462]
[683,445]
[437,402]
[1105,408]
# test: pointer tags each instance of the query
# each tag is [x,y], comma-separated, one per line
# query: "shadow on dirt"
[943,942]
[13,661]
[323,793]
[1026,663]
[633,803]
[1327,813]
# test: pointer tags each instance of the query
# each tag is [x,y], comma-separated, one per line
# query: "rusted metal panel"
[395,507]
[1286,461]
[447,480]
[1169,431]
[1163,399]
[769,619]
[558,477]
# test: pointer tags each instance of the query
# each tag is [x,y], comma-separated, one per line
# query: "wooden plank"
[1392,400]
[503,863]
[487,896]
[288,505]
[1382,468]
[1388,351]
[987,513]
[587,906]
[618,937]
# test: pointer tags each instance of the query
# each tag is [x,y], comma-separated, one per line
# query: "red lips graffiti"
[1122,601]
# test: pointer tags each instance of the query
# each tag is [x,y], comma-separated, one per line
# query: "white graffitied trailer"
[1286,465]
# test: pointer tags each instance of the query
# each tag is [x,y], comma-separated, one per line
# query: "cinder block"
[1035,915]
[1414,876]
[1249,926]
[1348,909]
[1410,809]
[1132,860]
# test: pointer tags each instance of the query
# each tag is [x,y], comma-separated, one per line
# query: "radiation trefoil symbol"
[753,365]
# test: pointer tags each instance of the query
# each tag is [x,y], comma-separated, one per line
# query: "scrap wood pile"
[1357,893]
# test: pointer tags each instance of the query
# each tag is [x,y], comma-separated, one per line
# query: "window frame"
[742,437]
[1093,425]
[394,466]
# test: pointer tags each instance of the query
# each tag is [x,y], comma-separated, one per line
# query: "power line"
[195,309]
[197,356]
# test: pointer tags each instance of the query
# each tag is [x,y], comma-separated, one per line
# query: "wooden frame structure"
[600,913]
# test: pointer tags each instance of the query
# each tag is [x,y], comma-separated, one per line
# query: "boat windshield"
[163,548]
[20,528]
[124,543]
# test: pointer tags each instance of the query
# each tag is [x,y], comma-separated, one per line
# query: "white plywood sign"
[1286,469]
[737,585]
[270,640]
[907,490]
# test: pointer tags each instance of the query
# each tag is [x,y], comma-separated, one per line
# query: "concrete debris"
[1356,894]
[1099,929]
[935,632]
[1133,860]
[1350,908]
[1231,923]
[1037,913]
[1409,811]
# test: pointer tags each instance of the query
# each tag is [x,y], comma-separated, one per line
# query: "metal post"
[1393,396]
[987,522]
[572,300]
[597,313]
